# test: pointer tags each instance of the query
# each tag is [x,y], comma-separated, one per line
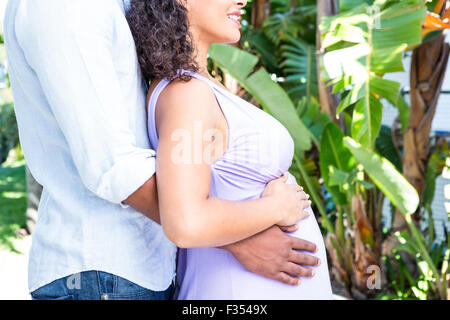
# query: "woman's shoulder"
[193,87]
[194,98]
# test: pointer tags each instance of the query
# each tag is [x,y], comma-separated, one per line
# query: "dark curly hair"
[160,30]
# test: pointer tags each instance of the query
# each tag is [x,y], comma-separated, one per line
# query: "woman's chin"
[230,40]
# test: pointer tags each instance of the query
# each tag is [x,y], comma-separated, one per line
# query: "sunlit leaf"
[367,120]
[356,94]
[385,88]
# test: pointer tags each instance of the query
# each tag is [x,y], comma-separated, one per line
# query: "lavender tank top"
[259,150]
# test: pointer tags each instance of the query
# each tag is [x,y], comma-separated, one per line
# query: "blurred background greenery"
[360,85]
[12,171]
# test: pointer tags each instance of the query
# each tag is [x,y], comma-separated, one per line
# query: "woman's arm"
[186,112]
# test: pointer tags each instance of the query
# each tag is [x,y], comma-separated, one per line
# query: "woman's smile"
[215,21]
[235,17]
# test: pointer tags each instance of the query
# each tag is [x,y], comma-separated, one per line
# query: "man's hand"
[273,254]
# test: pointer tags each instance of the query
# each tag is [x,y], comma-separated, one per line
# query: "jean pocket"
[40,297]
[141,295]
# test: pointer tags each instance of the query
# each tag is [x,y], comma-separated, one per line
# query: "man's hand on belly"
[274,254]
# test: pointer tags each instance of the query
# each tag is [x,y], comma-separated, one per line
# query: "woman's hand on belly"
[293,211]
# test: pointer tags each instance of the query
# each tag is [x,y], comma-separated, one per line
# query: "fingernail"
[299,281]
[313,273]
[319,263]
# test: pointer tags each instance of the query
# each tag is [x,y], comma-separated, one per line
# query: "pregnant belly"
[210,273]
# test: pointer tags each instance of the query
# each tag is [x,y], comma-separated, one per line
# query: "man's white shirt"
[80,106]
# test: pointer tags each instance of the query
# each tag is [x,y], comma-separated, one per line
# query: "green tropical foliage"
[363,44]
[9,136]
[299,66]
[356,161]
[286,46]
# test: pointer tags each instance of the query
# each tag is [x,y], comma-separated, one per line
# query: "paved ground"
[14,271]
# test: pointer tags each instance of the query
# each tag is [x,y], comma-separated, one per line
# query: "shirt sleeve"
[70,46]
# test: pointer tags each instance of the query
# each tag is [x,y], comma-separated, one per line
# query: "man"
[79,101]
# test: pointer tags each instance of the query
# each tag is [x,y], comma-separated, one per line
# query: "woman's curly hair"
[160,30]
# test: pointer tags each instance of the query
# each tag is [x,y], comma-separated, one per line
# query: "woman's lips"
[235,17]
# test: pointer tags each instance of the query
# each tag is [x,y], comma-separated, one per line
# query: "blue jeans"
[97,285]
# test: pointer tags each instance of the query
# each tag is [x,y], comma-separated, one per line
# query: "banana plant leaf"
[345,5]
[333,154]
[386,177]
[384,145]
[313,118]
[367,120]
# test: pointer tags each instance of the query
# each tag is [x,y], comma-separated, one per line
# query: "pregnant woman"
[229,147]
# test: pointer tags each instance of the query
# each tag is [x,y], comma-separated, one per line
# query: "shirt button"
[104,296]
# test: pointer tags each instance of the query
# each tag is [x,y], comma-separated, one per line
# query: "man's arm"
[273,254]
[70,46]
[145,200]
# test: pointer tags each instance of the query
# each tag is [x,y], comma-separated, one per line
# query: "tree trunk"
[294,4]
[428,66]
[260,11]
[328,101]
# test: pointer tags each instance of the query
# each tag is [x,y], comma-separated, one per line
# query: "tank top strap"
[203,78]
[152,133]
